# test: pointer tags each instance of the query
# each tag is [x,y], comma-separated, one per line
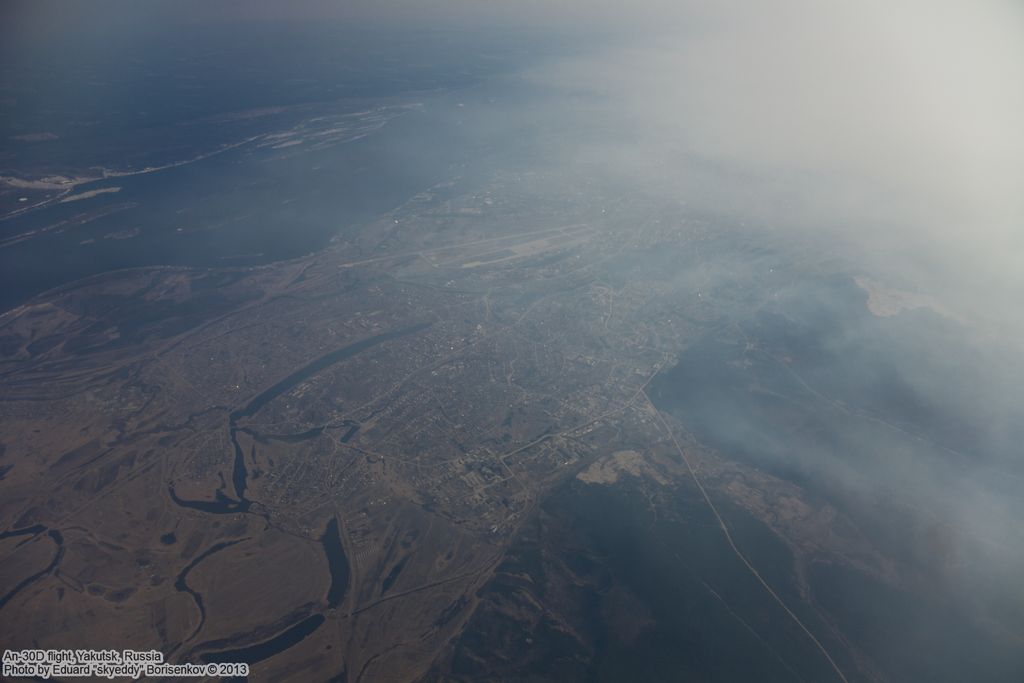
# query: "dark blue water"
[239,208]
[153,96]
[279,643]
[337,561]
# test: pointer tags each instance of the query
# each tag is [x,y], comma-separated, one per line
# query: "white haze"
[889,133]
[893,128]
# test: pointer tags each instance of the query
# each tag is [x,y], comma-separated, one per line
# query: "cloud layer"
[891,129]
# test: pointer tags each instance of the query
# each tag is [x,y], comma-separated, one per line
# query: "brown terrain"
[330,467]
